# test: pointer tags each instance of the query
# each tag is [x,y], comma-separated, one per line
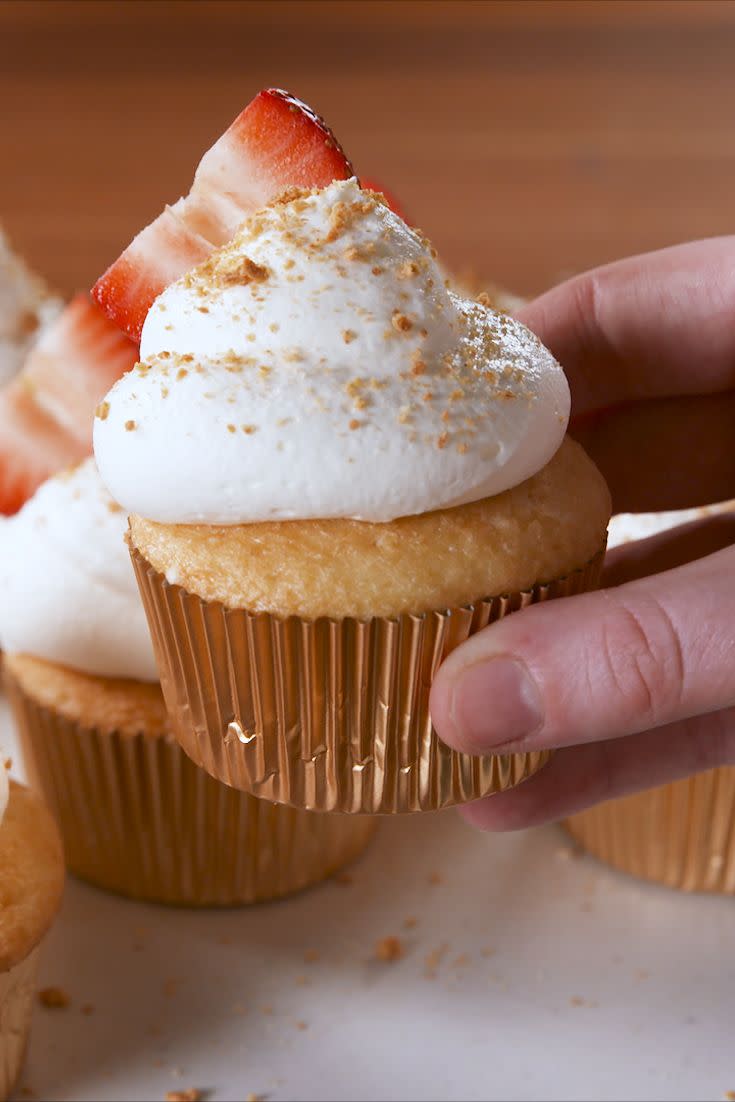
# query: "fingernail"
[493,703]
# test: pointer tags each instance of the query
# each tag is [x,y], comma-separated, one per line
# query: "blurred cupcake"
[136,815]
[680,834]
[26,306]
[31,883]
[336,470]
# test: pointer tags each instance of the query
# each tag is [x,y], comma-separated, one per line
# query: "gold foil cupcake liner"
[681,834]
[17,995]
[327,715]
[138,818]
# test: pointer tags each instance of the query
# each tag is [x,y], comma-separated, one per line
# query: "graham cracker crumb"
[348,335]
[87,1010]
[410,923]
[102,411]
[253,1097]
[443,440]
[401,322]
[190,1095]
[343,878]
[434,959]
[408,270]
[389,949]
[302,1025]
[130,426]
[355,424]
[53,998]
[436,878]
[311,955]
[483,298]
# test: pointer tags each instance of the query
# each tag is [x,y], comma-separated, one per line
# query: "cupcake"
[31,883]
[681,834]
[336,469]
[26,307]
[137,817]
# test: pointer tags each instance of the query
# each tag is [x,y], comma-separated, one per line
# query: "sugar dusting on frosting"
[319,366]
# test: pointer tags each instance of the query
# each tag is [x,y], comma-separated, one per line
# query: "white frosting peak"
[67,587]
[317,367]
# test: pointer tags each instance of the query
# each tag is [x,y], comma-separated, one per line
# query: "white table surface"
[560,980]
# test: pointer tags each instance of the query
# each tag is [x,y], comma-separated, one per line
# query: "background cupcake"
[680,834]
[31,883]
[336,470]
[137,817]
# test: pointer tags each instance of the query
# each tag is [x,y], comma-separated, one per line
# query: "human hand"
[635,683]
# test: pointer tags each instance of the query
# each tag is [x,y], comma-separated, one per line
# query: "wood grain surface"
[529,139]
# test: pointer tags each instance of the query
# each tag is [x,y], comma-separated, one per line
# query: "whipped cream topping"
[318,366]
[67,588]
[26,307]
[4,790]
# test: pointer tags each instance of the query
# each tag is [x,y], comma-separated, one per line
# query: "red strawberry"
[275,143]
[46,412]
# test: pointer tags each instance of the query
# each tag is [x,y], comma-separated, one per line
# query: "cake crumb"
[348,335]
[730,1096]
[87,1009]
[190,1095]
[436,878]
[301,1025]
[434,959]
[410,923]
[253,1097]
[53,998]
[102,411]
[389,949]
[130,426]
[311,955]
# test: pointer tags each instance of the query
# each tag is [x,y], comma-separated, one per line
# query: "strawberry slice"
[275,143]
[47,411]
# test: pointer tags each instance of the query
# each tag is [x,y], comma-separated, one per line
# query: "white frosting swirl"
[67,588]
[319,367]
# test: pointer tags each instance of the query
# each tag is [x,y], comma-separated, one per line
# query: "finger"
[669,549]
[581,776]
[665,454]
[596,666]
[650,326]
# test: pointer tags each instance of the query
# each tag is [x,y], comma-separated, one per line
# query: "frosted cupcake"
[136,815]
[26,307]
[336,470]
[681,834]
[31,883]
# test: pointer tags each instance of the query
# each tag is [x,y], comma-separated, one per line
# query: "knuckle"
[644,660]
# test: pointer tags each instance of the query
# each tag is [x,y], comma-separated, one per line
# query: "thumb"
[594,667]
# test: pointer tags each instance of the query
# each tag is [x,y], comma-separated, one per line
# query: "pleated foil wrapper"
[17,997]
[681,834]
[140,819]
[329,715]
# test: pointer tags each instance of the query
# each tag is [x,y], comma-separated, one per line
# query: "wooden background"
[529,139]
